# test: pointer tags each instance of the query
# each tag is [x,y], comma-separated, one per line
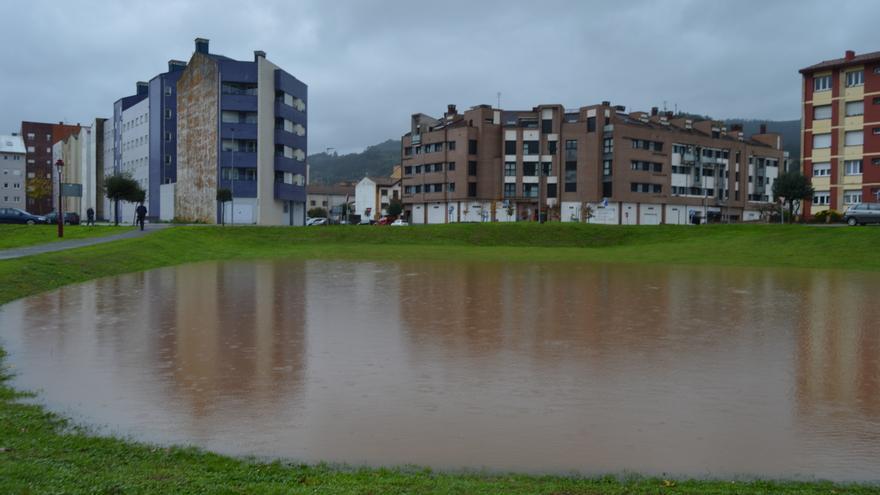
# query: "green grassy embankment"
[15,236]
[41,453]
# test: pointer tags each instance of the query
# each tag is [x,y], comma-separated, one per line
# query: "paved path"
[51,247]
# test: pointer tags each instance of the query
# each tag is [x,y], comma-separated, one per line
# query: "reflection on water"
[535,367]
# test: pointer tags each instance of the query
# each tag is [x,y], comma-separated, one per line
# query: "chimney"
[142,88]
[654,111]
[606,103]
[850,54]
[763,128]
[620,108]
[176,65]
[258,54]
[450,110]
[202,45]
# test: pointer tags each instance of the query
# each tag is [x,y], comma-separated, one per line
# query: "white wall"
[166,199]
[365,197]
[650,214]
[135,153]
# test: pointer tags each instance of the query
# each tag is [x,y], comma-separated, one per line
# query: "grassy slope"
[13,236]
[39,453]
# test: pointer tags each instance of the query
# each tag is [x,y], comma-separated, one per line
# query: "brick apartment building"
[598,164]
[840,131]
[39,137]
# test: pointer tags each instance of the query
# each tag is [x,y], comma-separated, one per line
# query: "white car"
[399,223]
[316,221]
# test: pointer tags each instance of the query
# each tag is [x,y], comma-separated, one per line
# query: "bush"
[317,212]
[828,216]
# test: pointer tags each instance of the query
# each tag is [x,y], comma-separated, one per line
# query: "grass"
[15,236]
[41,452]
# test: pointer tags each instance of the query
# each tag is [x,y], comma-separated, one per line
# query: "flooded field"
[692,371]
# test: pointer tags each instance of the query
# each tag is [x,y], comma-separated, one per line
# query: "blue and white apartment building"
[213,123]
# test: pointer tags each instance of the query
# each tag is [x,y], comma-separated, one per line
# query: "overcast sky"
[371,64]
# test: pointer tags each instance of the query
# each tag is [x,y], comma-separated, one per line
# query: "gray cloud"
[369,65]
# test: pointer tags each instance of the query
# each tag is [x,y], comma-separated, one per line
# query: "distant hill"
[380,159]
[789,129]
[376,160]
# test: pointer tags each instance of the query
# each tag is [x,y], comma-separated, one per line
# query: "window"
[606,168]
[450,145]
[571,145]
[877,131]
[407,151]
[509,190]
[551,147]
[30,136]
[530,148]
[530,169]
[407,170]
[591,124]
[31,149]
[855,78]
[853,167]
[509,147]
[822,83]
[546,169]
[821,169]
[530,190]
[167,113]
[853,138]
[510,169]
[854,108]
[821,198]
[450,166]
[876,100]
[875,161]
[167,136]
[472,146]
[852,197]
[641,187]
[608,145]
[546,126]
[472,189]
[822,141]
[570,176]
[167,90]
[472,168]
[236,88]
[822,112]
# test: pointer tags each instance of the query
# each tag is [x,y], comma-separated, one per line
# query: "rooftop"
[849,59]
[336,189]
[12,144]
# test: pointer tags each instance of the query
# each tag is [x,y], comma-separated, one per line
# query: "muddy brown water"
[692,371]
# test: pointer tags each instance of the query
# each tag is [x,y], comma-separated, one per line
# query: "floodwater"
[589,368]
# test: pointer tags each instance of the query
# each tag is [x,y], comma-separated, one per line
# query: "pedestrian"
[141,212]
[90,217]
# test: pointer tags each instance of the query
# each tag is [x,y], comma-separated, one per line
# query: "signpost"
[60,165]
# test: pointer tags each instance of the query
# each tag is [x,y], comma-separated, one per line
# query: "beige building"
[330,197]
[840,133]
[597,164]
[12,172]
[83,156]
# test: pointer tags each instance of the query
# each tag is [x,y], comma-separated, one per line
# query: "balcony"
[240,131]
[290,139]
[240,103]
[290,192]
[238,158]
[285,164]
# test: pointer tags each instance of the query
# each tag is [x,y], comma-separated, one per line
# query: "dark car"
[70,218]
[15,215]
[863,213]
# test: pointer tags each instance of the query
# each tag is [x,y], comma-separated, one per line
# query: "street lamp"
[60,165]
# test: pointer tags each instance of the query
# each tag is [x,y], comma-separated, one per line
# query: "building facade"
[83,157]
[39,137]
[129,150]
[330,197]
[13,170]
[373,195]
[241,125]
[163,138]
[840,131]
[596,164]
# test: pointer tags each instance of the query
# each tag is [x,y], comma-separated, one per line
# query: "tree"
[39,188]
[395,208]
[224,195]
[121,187]
[793,187]
[317,212]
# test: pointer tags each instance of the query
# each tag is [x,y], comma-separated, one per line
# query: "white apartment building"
[132,157]
[12,172]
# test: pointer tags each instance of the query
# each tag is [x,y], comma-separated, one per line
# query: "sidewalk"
[51,247]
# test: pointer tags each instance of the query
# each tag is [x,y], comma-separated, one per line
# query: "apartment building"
[840,131]
[83,157]
[241,125]
[13,171]
[39,137]
[596,164]
[162,133]
[128,150]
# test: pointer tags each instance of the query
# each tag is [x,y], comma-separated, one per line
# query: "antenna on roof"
[499,100]
[664,106]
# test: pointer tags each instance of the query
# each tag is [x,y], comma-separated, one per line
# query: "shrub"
[828,216]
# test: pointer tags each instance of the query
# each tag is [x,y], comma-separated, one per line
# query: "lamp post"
[60,165]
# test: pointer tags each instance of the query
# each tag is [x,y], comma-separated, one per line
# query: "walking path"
[51,247]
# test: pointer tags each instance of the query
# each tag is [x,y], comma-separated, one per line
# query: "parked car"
[385,221]
[15,215]
[314,222]
[70,217]
[399,223]
[862,213]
